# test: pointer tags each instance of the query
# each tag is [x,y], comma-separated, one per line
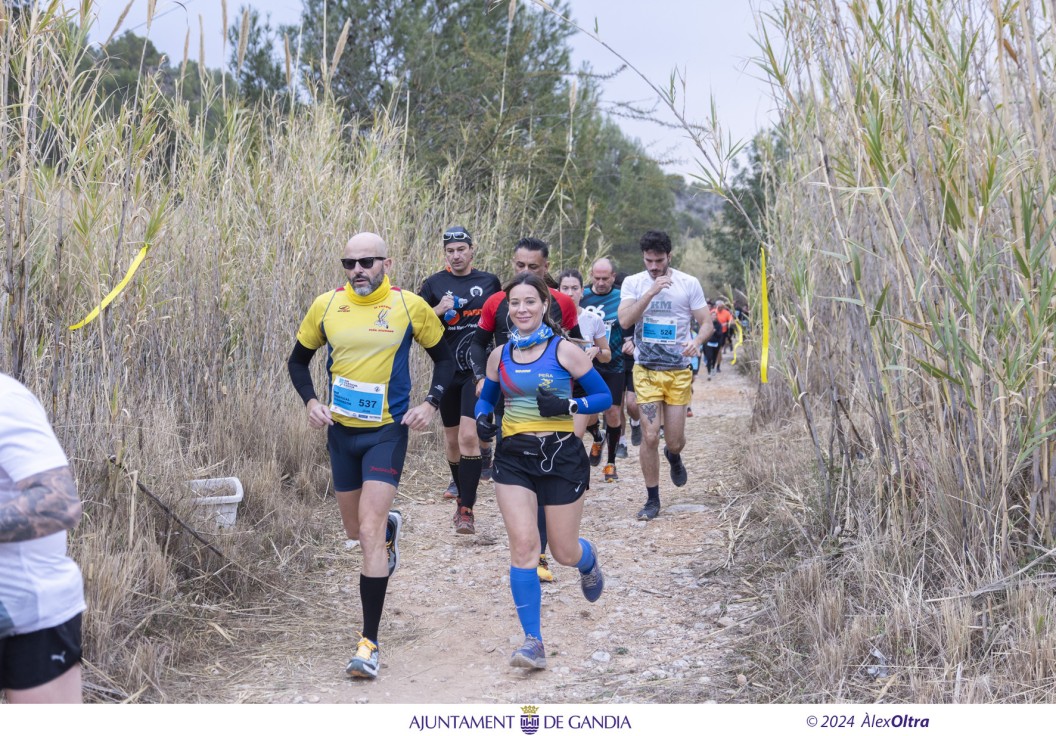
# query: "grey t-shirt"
[661,334]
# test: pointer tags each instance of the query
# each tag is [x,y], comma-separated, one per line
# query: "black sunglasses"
[448,237]
[367,263]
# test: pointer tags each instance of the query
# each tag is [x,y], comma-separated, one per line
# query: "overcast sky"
[710,41]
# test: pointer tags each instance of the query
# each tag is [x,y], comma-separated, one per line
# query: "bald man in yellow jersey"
[368,326]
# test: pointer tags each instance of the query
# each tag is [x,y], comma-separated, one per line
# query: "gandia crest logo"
[529,719]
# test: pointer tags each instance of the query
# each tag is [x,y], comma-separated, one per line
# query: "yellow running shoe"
[545,576]
[610,473]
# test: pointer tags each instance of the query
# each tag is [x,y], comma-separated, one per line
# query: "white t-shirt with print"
[40,586]
[661,334]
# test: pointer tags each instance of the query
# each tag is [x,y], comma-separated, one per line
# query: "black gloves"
[486,429]
[550,404]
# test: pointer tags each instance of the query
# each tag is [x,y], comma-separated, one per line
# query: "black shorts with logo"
[37,658]
[357,455]
[555,466]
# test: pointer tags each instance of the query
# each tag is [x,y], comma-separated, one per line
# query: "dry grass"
[184,375]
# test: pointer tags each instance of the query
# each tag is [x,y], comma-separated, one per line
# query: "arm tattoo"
[47,503]
[649,410]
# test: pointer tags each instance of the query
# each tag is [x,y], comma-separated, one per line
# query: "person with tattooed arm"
[41,590]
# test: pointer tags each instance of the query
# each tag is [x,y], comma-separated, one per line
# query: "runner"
[41,590]
[530,255]
[457,295]
[630,402]
[594,343]
[367,326]
[539,462]
[659,304]
[724,317]
[603,298]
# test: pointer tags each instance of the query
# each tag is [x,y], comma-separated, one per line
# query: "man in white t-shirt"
[41,591]
[659,304]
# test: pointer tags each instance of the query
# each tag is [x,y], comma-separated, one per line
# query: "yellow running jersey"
[369,339]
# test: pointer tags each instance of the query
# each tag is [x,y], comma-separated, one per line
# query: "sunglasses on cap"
[448,237]
[366,263]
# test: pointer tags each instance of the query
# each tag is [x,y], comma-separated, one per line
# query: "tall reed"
[184,375]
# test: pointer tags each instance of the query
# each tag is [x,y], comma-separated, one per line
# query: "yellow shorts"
[674,388]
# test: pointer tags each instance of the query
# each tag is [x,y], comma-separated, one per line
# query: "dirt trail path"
[660,633]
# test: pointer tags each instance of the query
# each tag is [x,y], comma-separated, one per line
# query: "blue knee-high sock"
[527,596]
[586,562]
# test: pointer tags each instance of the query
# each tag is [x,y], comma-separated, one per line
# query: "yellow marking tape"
[116,290]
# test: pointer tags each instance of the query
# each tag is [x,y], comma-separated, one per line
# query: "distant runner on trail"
[457,295]
[594,343]
[539,462]
[659,304]
[41,589]
[603,299]
[530,255]
[367,326]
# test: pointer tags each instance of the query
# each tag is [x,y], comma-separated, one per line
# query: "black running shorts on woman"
[555,466]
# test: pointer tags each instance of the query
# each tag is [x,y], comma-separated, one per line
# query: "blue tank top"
[519,381]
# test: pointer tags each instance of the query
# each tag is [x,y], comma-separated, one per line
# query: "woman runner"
[539,460]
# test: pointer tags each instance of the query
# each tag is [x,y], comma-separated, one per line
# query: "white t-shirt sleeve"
[27,443]
[696,295]
[631,289]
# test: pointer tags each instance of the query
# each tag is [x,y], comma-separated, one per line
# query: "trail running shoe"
[452,490]
[485,464]
[610,473]
[545,576]
[650,510]
[621,449]
[592,582]
[636,434]
[531,655]
[464,521]
[595,454]
[365,663]
[679,476]
[392,541]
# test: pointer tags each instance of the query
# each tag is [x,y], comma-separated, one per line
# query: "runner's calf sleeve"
[527,597]
[612,434]
[586,560]
[468,479]
[372,596]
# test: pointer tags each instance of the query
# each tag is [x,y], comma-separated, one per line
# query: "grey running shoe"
[650,510]
[621,449]
[365,663]
[679,476]
[592,582]
[392,542]
[451,491]
[531,655]
[636,434]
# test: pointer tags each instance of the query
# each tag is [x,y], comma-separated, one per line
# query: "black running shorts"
[358,455]
[555,466]
[459,400]
[37,658]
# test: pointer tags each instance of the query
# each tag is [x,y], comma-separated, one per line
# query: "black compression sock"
[372,595]
[654,492]
[613,436]
[468,479]
[454,475]
[595,431]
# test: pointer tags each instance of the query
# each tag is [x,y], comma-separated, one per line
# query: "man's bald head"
[603,276]
[366,244]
